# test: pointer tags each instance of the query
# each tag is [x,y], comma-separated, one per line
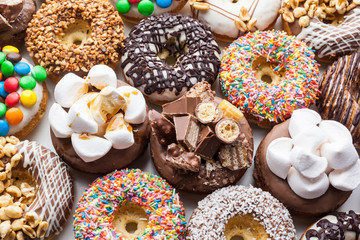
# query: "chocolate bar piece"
[234,156]
[162,128]
[208,144]
[177,158]
[187,131]
[181,106]
[202,90]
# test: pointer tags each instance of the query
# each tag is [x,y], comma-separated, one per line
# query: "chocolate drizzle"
[336,231]
[184,38]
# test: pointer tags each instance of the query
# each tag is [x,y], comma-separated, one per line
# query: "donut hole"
[244,228]
[265,71]
[76,33]
[172,51]
[130,220]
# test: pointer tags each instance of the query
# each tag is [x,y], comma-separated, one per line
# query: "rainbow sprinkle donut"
[113,202]
[268,75]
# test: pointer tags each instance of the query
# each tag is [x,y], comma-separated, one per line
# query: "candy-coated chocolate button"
[134,1]
[27,82]
[123,6]
[22,68]
[1,76]
[14,57]
[3,93]
[4,128]
[146,7]
[7,68]
[28,98]
[2,57]
[164,3]
[2,109]
[12,99]
[14,116]
[9,49]
[11,84]
[39,73]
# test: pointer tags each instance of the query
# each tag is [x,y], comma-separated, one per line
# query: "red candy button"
[11,84]
[12,99]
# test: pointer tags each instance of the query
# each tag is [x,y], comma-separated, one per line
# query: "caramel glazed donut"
[240,212]
[75,35]
[153,45]
[39,191]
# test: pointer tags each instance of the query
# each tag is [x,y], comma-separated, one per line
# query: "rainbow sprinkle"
[94,212]
[272,101]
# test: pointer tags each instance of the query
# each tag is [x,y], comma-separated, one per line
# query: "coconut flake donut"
[129,199]
[155,42]
[67,36]
[268,75]
[329,27]
[240,212]
[229,20]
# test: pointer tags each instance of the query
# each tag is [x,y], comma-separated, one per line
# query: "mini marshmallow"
[335,131]
[101,76]
[88,97]
[80,120]
[278,156]
[119,133]
[339,154]
[135,111]
[106,105]
[302,119]
[308,164]
[310,139]
[346,179]
[90,148]
[56,118]
[69,89]
[305,187]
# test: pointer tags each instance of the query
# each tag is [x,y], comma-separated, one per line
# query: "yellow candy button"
[8,49]
[28,98]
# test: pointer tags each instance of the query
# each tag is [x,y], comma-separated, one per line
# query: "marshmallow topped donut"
[313,161]
[329,27]
[240,212]
[229,19]
[98,123]
[164,56]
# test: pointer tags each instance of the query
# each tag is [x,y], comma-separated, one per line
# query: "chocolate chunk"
[208,144]
[182,106]
[234,156]
[4,24]
[202,90]
[179,159]
[162,128]
[187,131]
[14,57]
[11,9]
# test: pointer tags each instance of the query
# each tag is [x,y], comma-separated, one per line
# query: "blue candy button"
[3,93]
[22,68]
[164,3]
[4,128]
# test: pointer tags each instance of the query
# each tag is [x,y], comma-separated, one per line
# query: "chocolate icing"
[280,189]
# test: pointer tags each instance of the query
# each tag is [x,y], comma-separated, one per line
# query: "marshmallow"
[69,89]
[101,76]
[80,120]
[335,131]
[302,119]
[135,111]
[346,179]
[339,154]
[310,139]
[305,187]
[90,148]
[56,118]
[119,133]
[88,97]
[278,156]
[106,105]
[308,164]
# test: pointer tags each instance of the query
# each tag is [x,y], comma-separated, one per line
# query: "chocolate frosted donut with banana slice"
[200,143]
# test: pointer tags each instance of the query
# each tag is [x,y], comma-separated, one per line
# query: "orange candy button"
[14,116]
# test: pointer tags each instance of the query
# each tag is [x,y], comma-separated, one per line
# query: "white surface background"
[41,134]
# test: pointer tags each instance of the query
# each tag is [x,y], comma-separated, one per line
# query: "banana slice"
[230,111]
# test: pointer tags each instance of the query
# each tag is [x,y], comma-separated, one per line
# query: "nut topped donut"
[268,75]
[75,35]
[240,212]
[164,56]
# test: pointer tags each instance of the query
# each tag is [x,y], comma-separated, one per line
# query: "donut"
[67,36]
[200,143]
[307,163]
[14,18]
[229,20]
[336,225]
[23,93]
[339,98]
[329,27]
[98,124]
[165,55]
[239,212]
[268,75]
[136,10]
[129,204]
[30,176]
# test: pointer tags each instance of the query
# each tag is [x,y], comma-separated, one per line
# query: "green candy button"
[2,109]
[39,73]
[7,68]
[123,6]
[146,7]
[2,57]
[27,82]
